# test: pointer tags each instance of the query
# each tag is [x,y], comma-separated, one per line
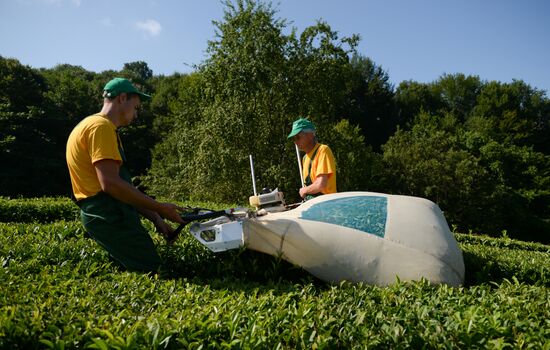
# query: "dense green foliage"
[59,290]
[474,148]
[479,149]
[39,108]
[255,83]
[37,209]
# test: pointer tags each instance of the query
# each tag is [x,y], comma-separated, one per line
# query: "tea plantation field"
[59,290]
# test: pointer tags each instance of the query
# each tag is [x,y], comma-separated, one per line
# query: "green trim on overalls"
[308,181]
[116,226]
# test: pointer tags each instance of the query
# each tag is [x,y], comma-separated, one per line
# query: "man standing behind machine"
[318,164]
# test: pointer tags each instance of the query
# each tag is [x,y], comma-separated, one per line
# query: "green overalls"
[117,228]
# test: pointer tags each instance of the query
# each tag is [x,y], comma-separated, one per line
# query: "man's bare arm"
[320,183]
[107,171]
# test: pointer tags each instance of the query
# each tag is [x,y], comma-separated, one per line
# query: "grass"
[59,290]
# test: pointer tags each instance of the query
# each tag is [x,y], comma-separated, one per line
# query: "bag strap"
[308,178]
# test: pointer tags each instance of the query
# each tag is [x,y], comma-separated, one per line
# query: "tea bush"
[59,290]
[37,209]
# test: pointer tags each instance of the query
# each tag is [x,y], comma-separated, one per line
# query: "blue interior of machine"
[364,213]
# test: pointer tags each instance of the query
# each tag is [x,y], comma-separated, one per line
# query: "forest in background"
[479,149]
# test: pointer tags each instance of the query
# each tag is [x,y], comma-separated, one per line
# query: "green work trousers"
[117,228]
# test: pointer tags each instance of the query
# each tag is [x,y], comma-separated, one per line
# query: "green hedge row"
[47,209]
[60,290]
[51,209]
[504,242]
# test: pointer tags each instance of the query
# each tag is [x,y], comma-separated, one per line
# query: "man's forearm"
[111,183]
[127,193]
[317,186]
[149,214]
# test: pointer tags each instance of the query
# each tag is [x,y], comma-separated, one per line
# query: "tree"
[138,72]
[358,166]
[27,144]
[372,105]
[429,162]
[176,106]
[319,73]
[20,86]
[176,102]
[138,138]
[412,98]
[516,113]
[482,184]
[71,94]
[255,83]
[457,93]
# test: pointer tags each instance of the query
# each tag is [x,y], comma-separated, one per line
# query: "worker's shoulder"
[324,148]
[95,121]
[98,119]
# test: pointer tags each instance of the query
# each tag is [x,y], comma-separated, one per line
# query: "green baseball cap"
[119,85]
[300,125]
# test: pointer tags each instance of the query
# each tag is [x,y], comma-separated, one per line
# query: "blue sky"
[411,39]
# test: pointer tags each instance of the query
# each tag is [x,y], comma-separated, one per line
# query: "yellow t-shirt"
[93,139]
[323,163]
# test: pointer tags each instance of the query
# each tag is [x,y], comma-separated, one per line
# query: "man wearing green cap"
[318,164]
[102,185]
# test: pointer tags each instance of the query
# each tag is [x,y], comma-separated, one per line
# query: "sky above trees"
[411,40]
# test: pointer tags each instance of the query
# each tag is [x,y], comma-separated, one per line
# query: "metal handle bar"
[197,216]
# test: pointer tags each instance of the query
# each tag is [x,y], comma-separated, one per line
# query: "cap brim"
[293,133]
[143,96]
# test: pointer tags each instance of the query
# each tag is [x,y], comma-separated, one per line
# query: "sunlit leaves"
[59,290]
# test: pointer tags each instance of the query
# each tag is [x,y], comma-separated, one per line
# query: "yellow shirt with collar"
[92,140]
[323,163]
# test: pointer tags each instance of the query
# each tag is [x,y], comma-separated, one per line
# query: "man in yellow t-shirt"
[318,164]
[102,184]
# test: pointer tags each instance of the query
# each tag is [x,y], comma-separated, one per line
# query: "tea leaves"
[60,290]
